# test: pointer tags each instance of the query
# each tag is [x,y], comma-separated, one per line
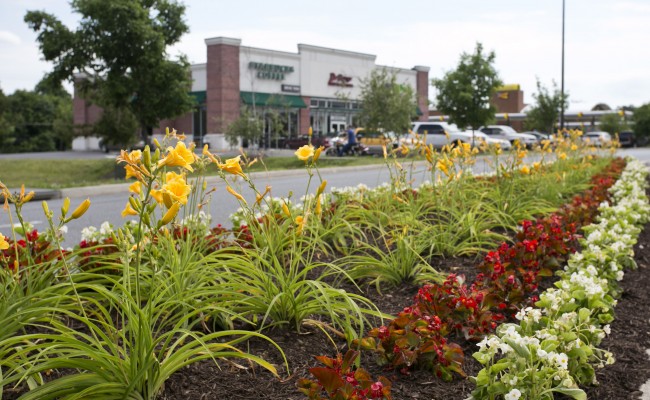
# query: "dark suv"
[627,139]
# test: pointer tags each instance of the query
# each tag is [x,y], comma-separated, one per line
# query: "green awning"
[272,100]
[198,96]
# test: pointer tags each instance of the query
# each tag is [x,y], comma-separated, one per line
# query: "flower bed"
[135,305]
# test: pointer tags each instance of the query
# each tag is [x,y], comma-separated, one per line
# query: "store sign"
[339,80]
[291,88]
[270,71]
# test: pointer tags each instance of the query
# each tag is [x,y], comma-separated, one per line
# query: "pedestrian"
[352,141]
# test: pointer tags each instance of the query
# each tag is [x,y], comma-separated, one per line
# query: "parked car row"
[440,134]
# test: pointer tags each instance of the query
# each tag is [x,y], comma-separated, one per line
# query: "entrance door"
[337,123]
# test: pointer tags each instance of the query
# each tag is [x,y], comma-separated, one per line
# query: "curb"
[39,194]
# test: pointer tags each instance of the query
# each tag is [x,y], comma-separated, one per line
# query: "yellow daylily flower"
[300,222]
[179,156]
[157,195]
[128,210]
[131,172]
[173,177]
[4,245]
[232,166]
[178,190]
[135,187]
[305,152]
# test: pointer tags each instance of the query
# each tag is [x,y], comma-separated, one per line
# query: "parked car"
[302,140]
[627,139]
[541,136]
[107,146]
[506,132]
[375,141]
[440,134]
[597,138]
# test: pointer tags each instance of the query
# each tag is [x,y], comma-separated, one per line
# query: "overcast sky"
[606,52]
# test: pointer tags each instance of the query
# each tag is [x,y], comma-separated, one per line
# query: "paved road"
[108,201]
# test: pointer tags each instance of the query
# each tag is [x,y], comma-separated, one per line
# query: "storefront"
[318,87]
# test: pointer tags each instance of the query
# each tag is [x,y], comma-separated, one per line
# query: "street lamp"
[562,84]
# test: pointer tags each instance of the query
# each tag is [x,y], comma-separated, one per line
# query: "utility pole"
[562,85]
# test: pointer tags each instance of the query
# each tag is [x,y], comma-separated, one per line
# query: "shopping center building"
[316,87]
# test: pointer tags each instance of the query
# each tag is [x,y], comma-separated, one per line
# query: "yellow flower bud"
[169,215]
[237,195]
[321,188]
[318,210]
[29,196]
[66,206]
[167,200]
[285,210]
[317,154]
[46,209]
[81,209]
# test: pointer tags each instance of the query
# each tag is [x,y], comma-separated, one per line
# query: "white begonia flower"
[514,394]
[541,353]
[607,329]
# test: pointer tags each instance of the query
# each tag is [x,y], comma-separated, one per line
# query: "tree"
[39,120]
[642,123]
[385,104]
[613,123]
[120,47]
[249,127]
[464,93]
[546,111]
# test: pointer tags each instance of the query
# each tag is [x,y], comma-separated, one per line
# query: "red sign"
[339,80]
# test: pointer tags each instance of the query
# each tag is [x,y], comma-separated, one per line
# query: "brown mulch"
[628,342]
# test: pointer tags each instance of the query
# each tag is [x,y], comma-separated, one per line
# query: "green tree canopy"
[642,122]
[613,123]
[120,47]
[39,120]
[546,111]
[249,127]
[386,105]
[465,92]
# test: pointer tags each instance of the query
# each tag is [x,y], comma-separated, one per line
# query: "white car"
[598,139]
[440,134]
[506,132]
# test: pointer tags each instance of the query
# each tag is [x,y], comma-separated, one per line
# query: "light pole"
[562,84]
